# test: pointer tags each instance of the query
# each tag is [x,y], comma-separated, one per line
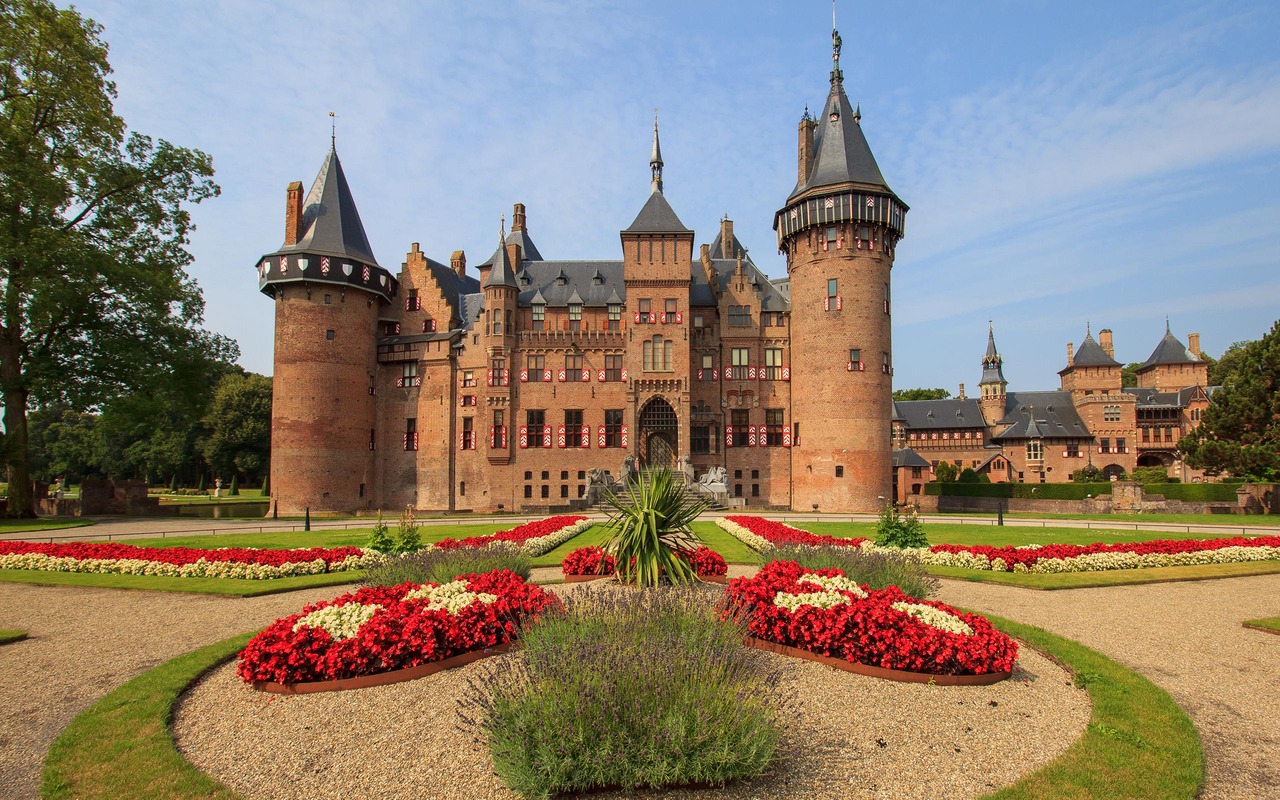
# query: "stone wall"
[1125,498]
[129,498]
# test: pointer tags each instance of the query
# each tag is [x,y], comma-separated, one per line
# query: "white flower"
[935,617]
[342,621]
[792,602]
[452,597]
[834,583]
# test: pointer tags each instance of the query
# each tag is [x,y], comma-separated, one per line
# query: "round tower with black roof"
[329,289]
[839,230]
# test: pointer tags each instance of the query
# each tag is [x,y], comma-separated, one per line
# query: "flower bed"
[380,629]
[536,538]
[179,562]
[707,563]
[825,613]
[759,533]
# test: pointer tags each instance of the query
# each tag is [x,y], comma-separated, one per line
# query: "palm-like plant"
[649,524]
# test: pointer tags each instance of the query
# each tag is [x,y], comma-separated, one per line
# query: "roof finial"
[655,160]
[333,130]
[1088,330]
[502,228]
[1166,325]
[836,74]
[857,114]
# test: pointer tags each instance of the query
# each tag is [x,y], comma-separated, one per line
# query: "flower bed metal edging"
[901,676]
[723,580]
[383,678]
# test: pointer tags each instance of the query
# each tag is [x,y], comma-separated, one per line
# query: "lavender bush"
[629,689]
[434,565]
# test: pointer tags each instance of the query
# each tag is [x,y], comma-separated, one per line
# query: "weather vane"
[333,129]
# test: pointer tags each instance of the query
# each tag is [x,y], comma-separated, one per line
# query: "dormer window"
[575,316]
[539,315]
[835,115]
[615,316]
[562,279]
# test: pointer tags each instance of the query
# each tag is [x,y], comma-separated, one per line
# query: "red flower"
[777,533]
[1013,555]
[519,534]
[180,555]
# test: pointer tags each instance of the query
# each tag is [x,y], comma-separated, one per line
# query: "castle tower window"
[573,428]
[613,427]
[613,370]
[739,316]
[671,309]
[1035,450]
[615,316]
[885,365]
[741,365]
[573,370]
[428,325]
[328,299]
[412,302]
[740,419]
[468,434]
[496,318]
[855,359]
[575,316]
[536,366]
[468,379]
[773,366]
[536,420]
[708,371]
[1111,413]
[411,433]
[539,315]
[700,439]
[886,297]
[643,310]
[329,334]
[773,427]
[657,355]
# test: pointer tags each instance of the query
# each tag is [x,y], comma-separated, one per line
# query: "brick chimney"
[726,238]
[1193,344]
[293,213]
[1071,354]
[805,160]
[517,218]
[1104,339]
[458,262]
[962,391]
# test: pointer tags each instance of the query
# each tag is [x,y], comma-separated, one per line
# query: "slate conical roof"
[657,216]
[992,363]
[501,273]
[841,152]
[1091,354]
[1169,351]
[330,222]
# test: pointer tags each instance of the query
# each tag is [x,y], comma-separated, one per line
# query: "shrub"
[650,522]
[201,486]
[234,491]
[1195,492]
[899,529]
[434,565]
[875,568]
[946,472]
[1087,474]
[407,538]
[380,540]
[630,690]
[266,485]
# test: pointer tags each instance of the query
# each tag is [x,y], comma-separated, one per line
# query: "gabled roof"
[906,457]
[700,294]
[1090,354]
[331,224]
[527,248]
[452,285]
[939,414]
[657,216]
[542,279]
[1169,351]
[472,308]
[718,247]
[501,273]
[1046,415]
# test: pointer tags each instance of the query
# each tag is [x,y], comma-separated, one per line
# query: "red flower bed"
[180,555]
[595,561]
[867,630]
[403,633]
[777,533]
[1013,556]
[517,535]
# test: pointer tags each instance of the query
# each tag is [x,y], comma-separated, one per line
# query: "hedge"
[1029,491]
[1194,492]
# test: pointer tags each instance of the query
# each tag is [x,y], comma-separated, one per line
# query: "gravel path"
[850,737]
[1187,638]
[85,642]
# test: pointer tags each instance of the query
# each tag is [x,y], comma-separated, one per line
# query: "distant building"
[1045,436]
[442,389]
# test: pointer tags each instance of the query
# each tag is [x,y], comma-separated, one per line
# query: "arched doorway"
[1112,472]
[659,435]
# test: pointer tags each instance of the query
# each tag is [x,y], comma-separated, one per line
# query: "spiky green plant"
[649,523]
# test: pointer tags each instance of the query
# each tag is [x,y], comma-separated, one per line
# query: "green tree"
[920,394]
[1129,374]
[62,444]
[93,231]
[1240,430]
[946,472]
[239,425]
[1228,364]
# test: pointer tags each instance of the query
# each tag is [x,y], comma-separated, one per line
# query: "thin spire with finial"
[836,43]
[655,160]
[1088,328]
[333,130]
[1166,325]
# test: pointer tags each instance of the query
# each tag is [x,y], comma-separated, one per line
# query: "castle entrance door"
[659,434]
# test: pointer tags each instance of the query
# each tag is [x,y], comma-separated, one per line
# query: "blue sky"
[1099,162]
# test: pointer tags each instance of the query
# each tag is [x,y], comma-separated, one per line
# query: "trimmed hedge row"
[1031,491]
[1195,492]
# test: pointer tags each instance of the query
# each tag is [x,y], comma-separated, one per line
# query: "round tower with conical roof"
[329,290]
[839,230]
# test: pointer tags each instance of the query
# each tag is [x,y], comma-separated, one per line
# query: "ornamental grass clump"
[629,690]
[649,525]
[434,565]
[896,529]
[875,568]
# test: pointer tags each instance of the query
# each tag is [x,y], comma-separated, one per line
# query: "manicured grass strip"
[1139,744]
[357,537]
[595,535]
[1238,520]
[1268,624]
[1112,577]
[233,587]
[7,636]
[954,533]
[20,525]
[730,547]
[121,747]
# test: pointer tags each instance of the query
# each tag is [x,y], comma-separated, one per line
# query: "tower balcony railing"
[586,339]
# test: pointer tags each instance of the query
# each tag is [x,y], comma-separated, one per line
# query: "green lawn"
[1138,744]
[20,525]
[357,537]
[1270,624]
[156,583]
[732,548]
[8,635]
[595,535]
[955,533]
[1252,520]
[1112,577]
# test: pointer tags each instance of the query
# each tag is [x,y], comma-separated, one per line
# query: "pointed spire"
[992,365]
[837,75]
[330,224]
[1166,325]
[333,131]
[655,160]
[501,273]
[857,114]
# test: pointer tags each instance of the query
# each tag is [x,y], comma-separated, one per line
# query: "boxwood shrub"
[1194,492]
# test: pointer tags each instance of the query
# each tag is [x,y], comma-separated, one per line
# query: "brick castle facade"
[443,389]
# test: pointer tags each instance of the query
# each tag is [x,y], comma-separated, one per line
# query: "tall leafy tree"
[93,231]
[1240,431]
[920,394]
[1129,374]
[239,425]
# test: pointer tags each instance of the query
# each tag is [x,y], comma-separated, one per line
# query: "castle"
[441,389]
[1045,436]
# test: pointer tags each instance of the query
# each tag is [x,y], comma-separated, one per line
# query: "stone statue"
[599,484]
[715,479]
[686,468]
[629,470]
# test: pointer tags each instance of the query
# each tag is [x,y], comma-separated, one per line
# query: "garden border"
[383,678]
[901,676]
[720,580]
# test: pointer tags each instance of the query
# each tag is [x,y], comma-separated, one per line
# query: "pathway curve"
[85,642]
[1187,638]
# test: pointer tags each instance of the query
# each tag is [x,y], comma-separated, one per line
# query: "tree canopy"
[93,233]
[920,394]
[1239,433]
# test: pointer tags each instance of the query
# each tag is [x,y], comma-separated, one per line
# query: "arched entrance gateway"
[659,434]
